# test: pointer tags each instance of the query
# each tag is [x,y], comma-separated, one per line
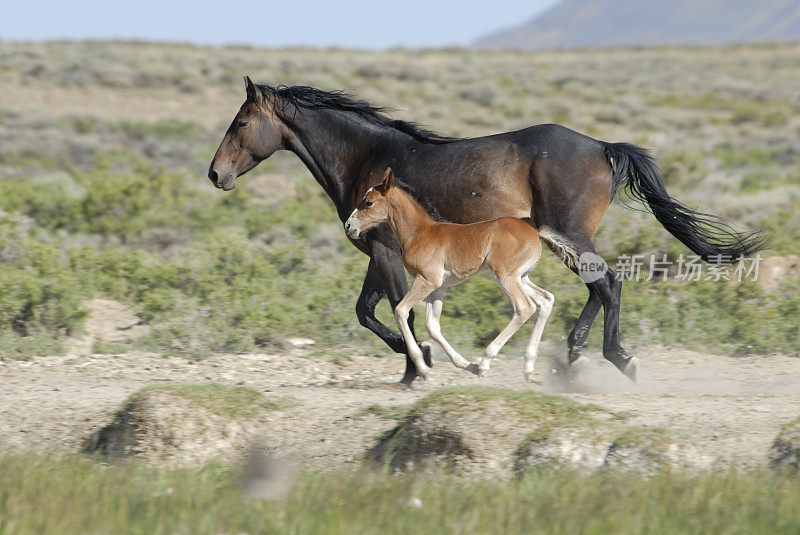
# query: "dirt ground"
[731,407]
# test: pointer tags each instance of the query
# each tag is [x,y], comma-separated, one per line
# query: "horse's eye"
[241,124]
[368,204]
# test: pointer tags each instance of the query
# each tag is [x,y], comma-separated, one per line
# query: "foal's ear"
[253,93]
[388,179]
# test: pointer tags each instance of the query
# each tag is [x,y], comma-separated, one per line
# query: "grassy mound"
[785,454]
[496,432]
[185,423]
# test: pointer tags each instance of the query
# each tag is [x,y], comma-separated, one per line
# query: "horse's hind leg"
[605,289]
[544,301]
[576,341]
[433,324]
[610,287]
[524,308]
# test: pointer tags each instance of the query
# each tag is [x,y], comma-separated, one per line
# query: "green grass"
[222,400]
[74,495]
[535,407]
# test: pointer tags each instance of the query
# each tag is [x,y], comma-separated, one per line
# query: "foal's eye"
[241,124]
[368,204]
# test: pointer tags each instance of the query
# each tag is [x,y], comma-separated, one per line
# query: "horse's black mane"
[412,192]
[305,97]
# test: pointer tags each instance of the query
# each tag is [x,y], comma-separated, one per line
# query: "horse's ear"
[253,94]
[388,179]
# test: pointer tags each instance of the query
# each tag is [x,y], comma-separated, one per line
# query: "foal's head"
[255,133]
[373,208]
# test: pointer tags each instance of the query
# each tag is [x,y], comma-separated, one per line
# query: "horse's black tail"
[711,237]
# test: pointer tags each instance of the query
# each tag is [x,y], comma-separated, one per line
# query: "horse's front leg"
[372,292]
[387,263]
[420,289]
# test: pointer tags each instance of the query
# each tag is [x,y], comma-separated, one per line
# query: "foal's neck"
[406,217]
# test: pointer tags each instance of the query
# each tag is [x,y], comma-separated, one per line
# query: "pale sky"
[347,23]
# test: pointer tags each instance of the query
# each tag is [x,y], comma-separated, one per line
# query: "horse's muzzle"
[225,182]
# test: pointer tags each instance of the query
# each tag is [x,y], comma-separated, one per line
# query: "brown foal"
[438,255]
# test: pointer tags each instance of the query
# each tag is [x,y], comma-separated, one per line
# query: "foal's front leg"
[420,289]
[433,324]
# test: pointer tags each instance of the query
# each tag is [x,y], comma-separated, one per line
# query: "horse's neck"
[334,145]
[407,218]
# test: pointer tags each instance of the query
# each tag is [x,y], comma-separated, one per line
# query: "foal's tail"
[711,237]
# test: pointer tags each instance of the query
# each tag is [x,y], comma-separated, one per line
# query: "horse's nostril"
[212,175]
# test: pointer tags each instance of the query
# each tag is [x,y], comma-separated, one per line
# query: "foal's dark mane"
[311,98]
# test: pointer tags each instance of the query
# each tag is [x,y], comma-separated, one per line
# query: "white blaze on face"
[351,225]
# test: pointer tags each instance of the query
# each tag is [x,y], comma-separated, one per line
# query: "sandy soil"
[732,407]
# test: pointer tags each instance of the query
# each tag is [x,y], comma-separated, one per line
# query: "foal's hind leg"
[524,308]
[544,301]
[432,323]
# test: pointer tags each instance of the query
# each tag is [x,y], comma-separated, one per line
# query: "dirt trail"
[733,407]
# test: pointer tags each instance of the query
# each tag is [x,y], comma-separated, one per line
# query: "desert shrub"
[161,239]
[40,298]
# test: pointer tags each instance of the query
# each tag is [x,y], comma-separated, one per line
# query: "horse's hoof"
[482,372]
[631,368]
[579,364]
[427,355]
[473,368]
[408,381]
[574,354]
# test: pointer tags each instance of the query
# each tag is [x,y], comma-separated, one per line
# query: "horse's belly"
[452,277]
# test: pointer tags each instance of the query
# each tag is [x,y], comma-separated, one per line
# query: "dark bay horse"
[562,180]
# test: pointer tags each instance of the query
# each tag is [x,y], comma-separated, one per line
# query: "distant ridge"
[610,23]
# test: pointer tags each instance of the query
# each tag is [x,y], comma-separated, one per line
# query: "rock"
[186,424]
[491,432]
[300,342]
[785,451]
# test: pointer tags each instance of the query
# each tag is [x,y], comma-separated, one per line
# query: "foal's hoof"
[424,374]
[529,377]
[631,368]
[482,372]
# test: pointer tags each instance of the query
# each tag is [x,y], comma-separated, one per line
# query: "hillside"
[612,23]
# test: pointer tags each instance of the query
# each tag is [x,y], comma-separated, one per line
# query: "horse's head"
[255,133]
[373,208]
